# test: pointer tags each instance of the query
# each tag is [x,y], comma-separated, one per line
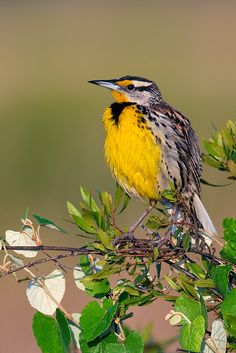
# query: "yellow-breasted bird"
[148,144]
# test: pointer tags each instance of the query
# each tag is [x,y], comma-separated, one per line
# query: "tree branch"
[142,247]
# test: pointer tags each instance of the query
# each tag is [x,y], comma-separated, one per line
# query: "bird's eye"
[130,87]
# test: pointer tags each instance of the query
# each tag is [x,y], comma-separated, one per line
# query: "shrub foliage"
[200,282]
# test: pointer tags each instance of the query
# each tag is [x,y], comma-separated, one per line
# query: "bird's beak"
[111,84]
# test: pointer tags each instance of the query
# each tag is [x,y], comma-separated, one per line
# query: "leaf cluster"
[221,149]
[195,285]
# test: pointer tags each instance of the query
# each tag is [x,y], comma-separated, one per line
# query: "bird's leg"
[130,234]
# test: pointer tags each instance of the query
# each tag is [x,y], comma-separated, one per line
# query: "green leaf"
[116,348]
[171,283]
[132,344]
[188,287]
[190,308]
[156,222]
[204,283]
[120,194]
[47,223]
[96,288]
[229,250]
[220,276]
[98,345]
[141,300]
[125,203]
[196,269]
[221,149]
[229,225]
[48,334]
[86,196]
[233,156]
[85,264]
[228,309]
[79,220]
[192,334]
[212,161]
[214,149]
[98,246]
[95,319]
[170,194]
[105,239]
[186,241]
[106,199]
[108,269]
[64,329]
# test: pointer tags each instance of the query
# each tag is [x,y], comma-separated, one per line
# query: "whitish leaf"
[78,275]
[23,238]
[217,342]
[42,290]
[173,317]
[16,261]
[97,265]
[175,320]
[75,330]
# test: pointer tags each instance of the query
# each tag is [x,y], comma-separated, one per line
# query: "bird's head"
[132,89]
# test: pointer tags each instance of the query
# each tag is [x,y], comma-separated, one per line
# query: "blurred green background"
[51,133]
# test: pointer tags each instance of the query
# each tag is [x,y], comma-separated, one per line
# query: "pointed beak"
[111,84]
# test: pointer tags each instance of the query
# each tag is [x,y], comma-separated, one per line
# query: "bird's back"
[181,153]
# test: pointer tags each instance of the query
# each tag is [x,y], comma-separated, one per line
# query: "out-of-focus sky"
[51,133]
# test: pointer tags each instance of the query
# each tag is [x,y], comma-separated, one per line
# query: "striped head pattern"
[132,89]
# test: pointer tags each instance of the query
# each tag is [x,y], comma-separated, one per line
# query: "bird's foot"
[124,238]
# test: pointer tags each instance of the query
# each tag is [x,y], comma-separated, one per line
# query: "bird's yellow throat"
[119,97]
[131,150]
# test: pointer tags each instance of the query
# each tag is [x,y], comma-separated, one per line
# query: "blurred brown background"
[51,135]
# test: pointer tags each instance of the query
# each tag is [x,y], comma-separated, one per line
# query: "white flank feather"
[203,217]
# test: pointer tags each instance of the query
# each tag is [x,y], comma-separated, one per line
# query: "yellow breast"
[132,152]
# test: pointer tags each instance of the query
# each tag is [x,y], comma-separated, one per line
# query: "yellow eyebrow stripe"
[124,83]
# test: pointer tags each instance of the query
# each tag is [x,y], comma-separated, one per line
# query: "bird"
[150,145]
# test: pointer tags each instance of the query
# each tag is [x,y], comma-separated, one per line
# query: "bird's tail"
[203,217]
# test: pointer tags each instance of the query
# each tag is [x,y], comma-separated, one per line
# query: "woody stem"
[141,218]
